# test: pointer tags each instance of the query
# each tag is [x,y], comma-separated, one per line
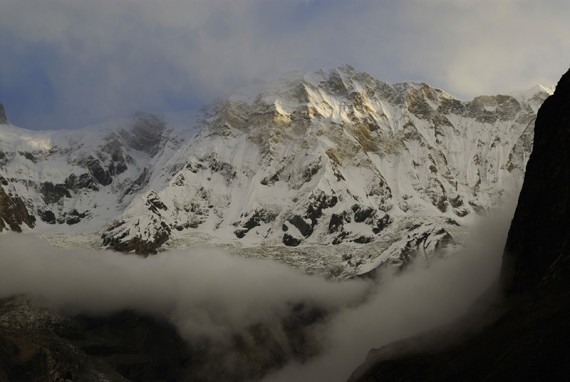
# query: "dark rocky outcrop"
[136,243]
[29,156]
[529,339]
[318,203]
[74,217]
[3,118]
[52,193]
[359,214]
[362,213]
[306,223]
[252,220]
[301,224]
[154,203]
[538,246]
[47,216]
[382,223]
[13,213]
[97,170]
[83,181]
[142,241]
[290,241]
[337,222]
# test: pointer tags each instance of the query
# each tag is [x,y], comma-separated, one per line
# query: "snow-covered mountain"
[334,158]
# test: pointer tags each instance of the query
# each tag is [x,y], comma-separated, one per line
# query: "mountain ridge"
[331,158]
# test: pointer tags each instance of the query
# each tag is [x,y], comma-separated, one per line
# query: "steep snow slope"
[331,158]
[79,180]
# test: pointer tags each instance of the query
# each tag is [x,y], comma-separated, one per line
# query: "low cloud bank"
[206,293]
[209,294]
[422,298]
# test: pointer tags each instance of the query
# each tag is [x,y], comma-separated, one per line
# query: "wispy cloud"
[91,60]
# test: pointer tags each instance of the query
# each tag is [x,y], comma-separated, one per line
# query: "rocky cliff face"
[78,180]
[537,252]
[529,340]
[13,213]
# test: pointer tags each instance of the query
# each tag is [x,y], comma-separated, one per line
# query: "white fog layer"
[203,292]
[207,293]
[421,298]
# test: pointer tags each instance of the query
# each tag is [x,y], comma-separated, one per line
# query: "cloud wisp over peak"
[67,64]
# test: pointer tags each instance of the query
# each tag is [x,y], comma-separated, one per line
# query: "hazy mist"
[423,297]
[68,63]
[210,294]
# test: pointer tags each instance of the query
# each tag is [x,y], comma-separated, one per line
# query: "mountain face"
[79,178]
[336,158]
[529,339]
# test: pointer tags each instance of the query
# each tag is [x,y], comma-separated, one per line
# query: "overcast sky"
[71,63]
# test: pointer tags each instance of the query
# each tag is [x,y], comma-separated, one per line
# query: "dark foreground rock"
[40,344]
[529,341]
[538,246]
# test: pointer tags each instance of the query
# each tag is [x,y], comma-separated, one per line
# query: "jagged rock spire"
[3,119]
